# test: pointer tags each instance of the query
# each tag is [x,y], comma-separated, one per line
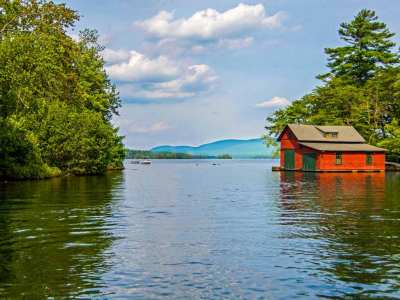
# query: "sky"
[191,72]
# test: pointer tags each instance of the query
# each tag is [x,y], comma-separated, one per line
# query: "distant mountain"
[236,148]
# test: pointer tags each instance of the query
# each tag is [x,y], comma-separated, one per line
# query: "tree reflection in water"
[355,217]
[55,235]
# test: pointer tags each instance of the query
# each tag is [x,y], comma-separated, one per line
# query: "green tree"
[27,16]
[55,93]
[19,154]
[392,141]
[78,141]
[368,49]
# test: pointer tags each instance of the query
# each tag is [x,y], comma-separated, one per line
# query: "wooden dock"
[392,166]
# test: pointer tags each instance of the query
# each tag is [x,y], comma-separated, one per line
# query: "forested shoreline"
[146,154]
[361,87]
[56,101]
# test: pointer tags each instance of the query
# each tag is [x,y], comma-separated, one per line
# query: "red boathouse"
[328,148]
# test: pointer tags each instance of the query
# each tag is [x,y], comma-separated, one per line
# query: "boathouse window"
[338,158]
[369,159]
[331,134]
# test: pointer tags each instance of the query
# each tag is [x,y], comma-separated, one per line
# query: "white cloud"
[210,26]
[140,68]
[144,78]
[236,43]
[115,56]
[274,102]
[153,128]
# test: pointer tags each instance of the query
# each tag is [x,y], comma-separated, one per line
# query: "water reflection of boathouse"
[325,188]
[348,225]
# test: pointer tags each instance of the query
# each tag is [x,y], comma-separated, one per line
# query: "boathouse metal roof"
[327,134]
[345,147]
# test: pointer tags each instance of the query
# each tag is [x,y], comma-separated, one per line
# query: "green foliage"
[80,142]
[368,49]
[392,141]
[271,143]
[224,156]
[362,88]
[19,154]
[29,16]
[56,101]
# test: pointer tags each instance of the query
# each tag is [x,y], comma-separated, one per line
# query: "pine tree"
[368,49]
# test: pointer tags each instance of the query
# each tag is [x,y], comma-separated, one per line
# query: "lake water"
[191,229]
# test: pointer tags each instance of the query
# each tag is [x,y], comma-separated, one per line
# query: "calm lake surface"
[190,229]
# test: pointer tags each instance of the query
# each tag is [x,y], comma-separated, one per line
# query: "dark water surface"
[189,229]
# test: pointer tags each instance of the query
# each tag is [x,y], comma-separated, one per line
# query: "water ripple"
[180,231]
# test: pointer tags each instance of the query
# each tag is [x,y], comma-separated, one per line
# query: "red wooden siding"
[288,141]
[352,161]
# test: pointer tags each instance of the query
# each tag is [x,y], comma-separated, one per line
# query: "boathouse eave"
[342,147]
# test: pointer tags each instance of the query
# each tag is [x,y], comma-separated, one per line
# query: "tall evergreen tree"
[368,49]
[362,88]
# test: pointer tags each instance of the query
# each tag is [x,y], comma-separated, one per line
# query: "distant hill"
[252,148]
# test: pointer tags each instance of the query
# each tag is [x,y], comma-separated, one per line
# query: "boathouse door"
[309,161]
[289,159]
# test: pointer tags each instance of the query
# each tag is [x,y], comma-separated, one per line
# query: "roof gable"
[327,134]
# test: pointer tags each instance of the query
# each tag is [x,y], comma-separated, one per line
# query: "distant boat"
[145,162]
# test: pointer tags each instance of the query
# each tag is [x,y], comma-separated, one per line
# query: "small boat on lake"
[145,162]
